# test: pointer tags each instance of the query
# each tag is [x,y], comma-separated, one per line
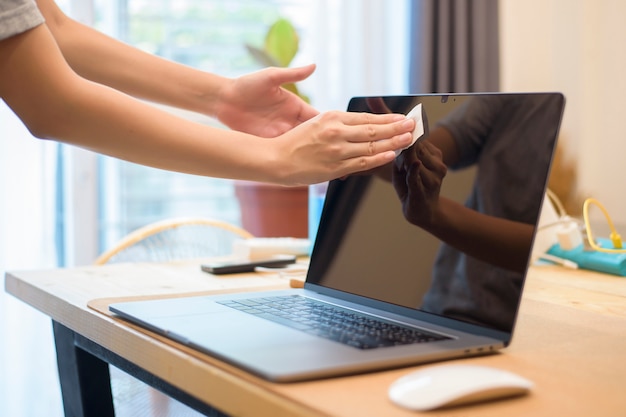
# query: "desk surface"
[570,341]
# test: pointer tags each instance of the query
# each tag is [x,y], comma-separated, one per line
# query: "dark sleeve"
[470,125]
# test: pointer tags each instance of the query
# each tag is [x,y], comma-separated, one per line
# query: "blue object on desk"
[610,263]
[317,196]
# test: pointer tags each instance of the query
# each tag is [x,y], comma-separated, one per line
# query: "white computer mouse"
[450,385]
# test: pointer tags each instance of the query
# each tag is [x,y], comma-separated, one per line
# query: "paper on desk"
[418,132]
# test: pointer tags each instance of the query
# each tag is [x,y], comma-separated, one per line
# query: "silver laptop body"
[369,259]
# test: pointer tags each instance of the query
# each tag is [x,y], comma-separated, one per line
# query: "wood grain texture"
[570,340]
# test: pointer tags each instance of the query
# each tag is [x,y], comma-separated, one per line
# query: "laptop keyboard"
[332,322]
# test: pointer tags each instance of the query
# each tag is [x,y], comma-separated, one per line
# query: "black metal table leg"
[86,382]
[85,379]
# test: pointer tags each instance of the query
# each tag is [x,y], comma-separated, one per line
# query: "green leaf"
[282,42]
[262,57]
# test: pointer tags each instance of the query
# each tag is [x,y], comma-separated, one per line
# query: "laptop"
[411,263]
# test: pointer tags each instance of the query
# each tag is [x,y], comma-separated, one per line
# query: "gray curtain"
[454,46]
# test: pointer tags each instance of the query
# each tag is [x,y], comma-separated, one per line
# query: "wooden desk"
[570,340]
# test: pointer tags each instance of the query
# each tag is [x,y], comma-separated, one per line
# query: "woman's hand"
[417,176]
[257,104]
[335,144]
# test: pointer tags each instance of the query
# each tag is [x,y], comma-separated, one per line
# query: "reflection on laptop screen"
[464,251]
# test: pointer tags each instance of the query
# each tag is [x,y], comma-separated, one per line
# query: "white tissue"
[418,132]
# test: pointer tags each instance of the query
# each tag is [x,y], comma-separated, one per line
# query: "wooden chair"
[163,241]
[175,239]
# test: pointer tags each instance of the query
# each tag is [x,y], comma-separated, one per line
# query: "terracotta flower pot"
[269,210]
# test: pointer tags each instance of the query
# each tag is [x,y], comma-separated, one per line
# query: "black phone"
[246,265]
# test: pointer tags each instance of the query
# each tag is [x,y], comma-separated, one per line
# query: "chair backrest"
[175,239]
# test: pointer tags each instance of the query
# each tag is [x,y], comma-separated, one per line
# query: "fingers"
[376,146]
[369,139]
[432,158]
[414,200]
[425,152]
[428,178]
[376,133]
[421,168]
[425,172]
[398,178]
[415,181]
[361,119]
[376,127]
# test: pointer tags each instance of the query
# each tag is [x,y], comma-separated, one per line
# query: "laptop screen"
[447,229]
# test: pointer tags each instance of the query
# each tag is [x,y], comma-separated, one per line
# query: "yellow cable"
[615,237]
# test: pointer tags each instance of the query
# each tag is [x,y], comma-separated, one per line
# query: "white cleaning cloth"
[418,132]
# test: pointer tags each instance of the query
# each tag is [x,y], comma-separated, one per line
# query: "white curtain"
[26,242]
[360,47]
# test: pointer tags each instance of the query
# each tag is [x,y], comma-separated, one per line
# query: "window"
[209,35]
[360,47]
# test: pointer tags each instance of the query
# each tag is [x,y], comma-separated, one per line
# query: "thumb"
[293,75]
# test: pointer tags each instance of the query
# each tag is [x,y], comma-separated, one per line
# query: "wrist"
[186,88]
[275,160]
[431,218]
[224,99]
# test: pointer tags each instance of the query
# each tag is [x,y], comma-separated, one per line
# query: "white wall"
[576,47]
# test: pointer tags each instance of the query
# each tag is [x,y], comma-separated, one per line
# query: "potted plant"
[269,210]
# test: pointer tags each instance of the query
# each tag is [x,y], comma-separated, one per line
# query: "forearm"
[494,240]
[105,121]
[58,104]
[107,61]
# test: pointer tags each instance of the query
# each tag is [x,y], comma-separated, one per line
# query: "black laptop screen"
[448,228]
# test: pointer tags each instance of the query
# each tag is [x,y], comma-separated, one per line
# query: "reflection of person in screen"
[478,272]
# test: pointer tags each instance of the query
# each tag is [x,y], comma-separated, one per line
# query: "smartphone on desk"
[246,265]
